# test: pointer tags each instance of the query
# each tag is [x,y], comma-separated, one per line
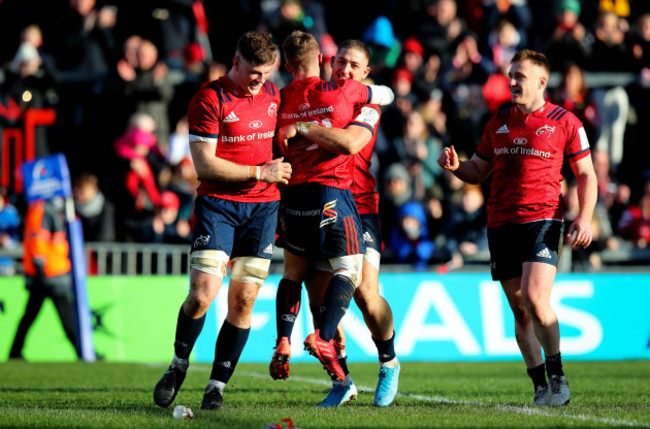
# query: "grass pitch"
[116,395]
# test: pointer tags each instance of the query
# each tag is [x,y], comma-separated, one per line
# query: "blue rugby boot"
[339,394]
[386,386]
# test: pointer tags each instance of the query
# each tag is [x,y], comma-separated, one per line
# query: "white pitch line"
[442,400]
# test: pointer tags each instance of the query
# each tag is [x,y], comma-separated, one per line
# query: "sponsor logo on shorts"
[544,253]
[201,240]
[330,214]
[268,249]
[367,237]
[225,364]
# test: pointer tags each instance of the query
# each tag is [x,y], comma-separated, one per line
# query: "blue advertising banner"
[464,317]
[47,177]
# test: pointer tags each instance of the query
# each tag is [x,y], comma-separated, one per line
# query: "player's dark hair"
[356,45]
[534,57]
[297,47]
[257,48]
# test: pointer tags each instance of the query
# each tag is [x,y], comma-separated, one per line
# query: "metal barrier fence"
[132,259]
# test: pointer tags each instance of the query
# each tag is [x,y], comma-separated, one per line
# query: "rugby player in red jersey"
[357,139]
[524,147]
[318,219]
[232,124]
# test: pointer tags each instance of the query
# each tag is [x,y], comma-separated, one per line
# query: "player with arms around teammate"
[319,219]
[524,147]
[232,123]
[357,139]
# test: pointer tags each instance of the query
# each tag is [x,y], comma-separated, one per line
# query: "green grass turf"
[118,395]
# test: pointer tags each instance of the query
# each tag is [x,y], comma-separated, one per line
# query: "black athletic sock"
[287,306]
[230,344]
[187,331]
[336,302]
[554,365]
[385,349]
[538,375]
[343,361]
[315,311]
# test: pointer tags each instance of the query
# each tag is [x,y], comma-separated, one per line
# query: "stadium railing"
[134,259]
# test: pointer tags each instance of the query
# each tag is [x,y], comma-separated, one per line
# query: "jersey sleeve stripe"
[578,155]
[554,114]
[361,124]
[202,134]
[369,94]
[562,114]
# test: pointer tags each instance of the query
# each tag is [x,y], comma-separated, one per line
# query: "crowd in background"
[120,75]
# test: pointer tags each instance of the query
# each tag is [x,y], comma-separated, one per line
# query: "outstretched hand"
[276,171]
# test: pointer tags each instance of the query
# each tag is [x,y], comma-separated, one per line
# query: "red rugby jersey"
[527,152]
[331,104]
[243,127]
[363,182]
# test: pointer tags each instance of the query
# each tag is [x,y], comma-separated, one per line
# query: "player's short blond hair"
[300,49]
[534,57]
[257,48]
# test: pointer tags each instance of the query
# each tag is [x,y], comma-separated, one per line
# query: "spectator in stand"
[443,30]
[574,95]
[9,234]
[137,191]
[502,44]
[307,16]
[31,85]
[151,90]
[166,226]
[397,190]
[610,51]
[394,117]
[178,145]
[97,214]
[641,46]
[568,40]
[428,78]
[634,225]
[434,115]
[412,56]
[466,228]
[418,151]
[613,197]
[409,240]
[84,40]
[515,12]
[184,183]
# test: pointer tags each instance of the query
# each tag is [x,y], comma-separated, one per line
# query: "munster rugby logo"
[273,110]
[546,130]
[201,241]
